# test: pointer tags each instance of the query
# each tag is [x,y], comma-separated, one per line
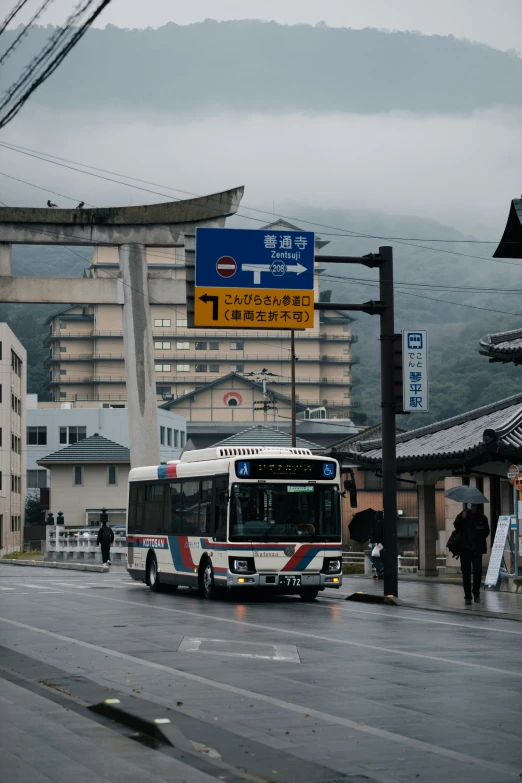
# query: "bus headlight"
[241,566]
[334,565]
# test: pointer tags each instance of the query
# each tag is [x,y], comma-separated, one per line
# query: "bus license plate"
[290,581]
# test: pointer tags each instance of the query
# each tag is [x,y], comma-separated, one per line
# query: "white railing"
[79,545]
[407,563]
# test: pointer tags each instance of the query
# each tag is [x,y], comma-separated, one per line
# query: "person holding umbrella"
[473,529]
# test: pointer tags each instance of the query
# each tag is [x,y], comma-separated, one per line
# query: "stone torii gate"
[131,229]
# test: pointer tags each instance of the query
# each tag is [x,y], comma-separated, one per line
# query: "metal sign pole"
[292,356]
[389,460]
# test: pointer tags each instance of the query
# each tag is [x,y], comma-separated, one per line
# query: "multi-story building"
[13,385]
[86,348]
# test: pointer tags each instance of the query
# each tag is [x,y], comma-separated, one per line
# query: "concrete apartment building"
[52,427]
[86,360]
[13,385]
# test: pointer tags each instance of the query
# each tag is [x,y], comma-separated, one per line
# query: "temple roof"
[511,243]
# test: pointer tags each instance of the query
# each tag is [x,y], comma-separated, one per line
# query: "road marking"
[381,734]
[7,588]
[29,584]
[302,634]
[282,652]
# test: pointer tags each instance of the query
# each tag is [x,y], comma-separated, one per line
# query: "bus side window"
[205,508]
[136,503]
[154,509]
[175,507]
[189,524]
[220,508]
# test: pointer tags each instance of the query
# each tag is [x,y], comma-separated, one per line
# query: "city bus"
[237,518]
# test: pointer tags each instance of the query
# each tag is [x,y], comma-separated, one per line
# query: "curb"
[100,569]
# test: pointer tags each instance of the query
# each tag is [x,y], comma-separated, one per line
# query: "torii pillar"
[131,229]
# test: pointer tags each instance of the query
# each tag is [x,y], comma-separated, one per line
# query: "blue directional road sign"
[253,258]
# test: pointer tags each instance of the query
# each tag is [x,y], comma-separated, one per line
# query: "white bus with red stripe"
[236,518]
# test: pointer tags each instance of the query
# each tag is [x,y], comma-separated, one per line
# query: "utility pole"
[385,309]
[292,359]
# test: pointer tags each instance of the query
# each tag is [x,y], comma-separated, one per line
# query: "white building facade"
[13,386]
[51,428]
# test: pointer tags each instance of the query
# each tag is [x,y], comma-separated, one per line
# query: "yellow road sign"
[253,308]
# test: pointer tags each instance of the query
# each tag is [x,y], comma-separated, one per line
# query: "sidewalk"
[439,595]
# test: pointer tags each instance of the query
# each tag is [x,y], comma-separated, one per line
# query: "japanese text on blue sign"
[415,371]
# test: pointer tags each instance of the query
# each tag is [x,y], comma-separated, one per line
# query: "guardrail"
[79,545]
[407,562]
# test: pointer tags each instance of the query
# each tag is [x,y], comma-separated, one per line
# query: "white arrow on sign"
[258,269]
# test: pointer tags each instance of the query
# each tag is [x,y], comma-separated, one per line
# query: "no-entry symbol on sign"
[226,266]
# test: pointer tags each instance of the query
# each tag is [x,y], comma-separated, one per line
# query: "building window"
[162,322]
[162,436]
[63,372]
[346,328]
[70,435]
[347,373]
[162,367]
[63,349]
[182,346]
[346,351]
[162,346]
[63,395]
[183,367]
[77,476]
[37,436]
[237,346]
[36,479]
[112,475]
[214,368]
[201,367]
[176,439]
[181,322]
[162,391]
[232,402]
[169,437]
[16,364]
[182,439]
[347,395]
[201,346]
[213,346]
[238,368]
[62,325]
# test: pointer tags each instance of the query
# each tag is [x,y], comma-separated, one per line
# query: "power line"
[11,15]
[46,190]
[49,59]
[25,30]
[340,232]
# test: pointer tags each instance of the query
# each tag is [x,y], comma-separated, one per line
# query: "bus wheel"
[208,586]
[309,594]
[152,574]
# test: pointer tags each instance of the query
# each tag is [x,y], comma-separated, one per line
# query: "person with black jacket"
[105,539]
[473,527]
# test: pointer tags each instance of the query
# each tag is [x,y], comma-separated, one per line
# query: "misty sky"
[494,22]
[461,170]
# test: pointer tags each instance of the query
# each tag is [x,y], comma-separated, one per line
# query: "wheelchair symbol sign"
[328,470]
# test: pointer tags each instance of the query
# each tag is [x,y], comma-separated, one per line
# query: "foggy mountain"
[264,66]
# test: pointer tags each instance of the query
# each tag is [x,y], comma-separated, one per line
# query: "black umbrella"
[362,524]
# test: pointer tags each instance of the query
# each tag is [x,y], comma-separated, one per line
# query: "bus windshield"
[284,512]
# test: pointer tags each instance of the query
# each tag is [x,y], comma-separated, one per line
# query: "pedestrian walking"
[473,529]
[105,539]
[376,542]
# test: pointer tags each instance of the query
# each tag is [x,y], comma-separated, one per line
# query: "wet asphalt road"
[271,689]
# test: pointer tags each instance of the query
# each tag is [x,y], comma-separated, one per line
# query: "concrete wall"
[13,382]
[94,494]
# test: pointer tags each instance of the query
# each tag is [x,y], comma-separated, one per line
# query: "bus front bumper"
[286,581]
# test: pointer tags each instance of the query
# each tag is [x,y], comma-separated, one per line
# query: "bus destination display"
[313,470]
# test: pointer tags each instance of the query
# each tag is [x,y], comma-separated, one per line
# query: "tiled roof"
[300,406]
[511,243]
[93,449]
[266,436]
[503,346]
[492,429]
[369,433]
